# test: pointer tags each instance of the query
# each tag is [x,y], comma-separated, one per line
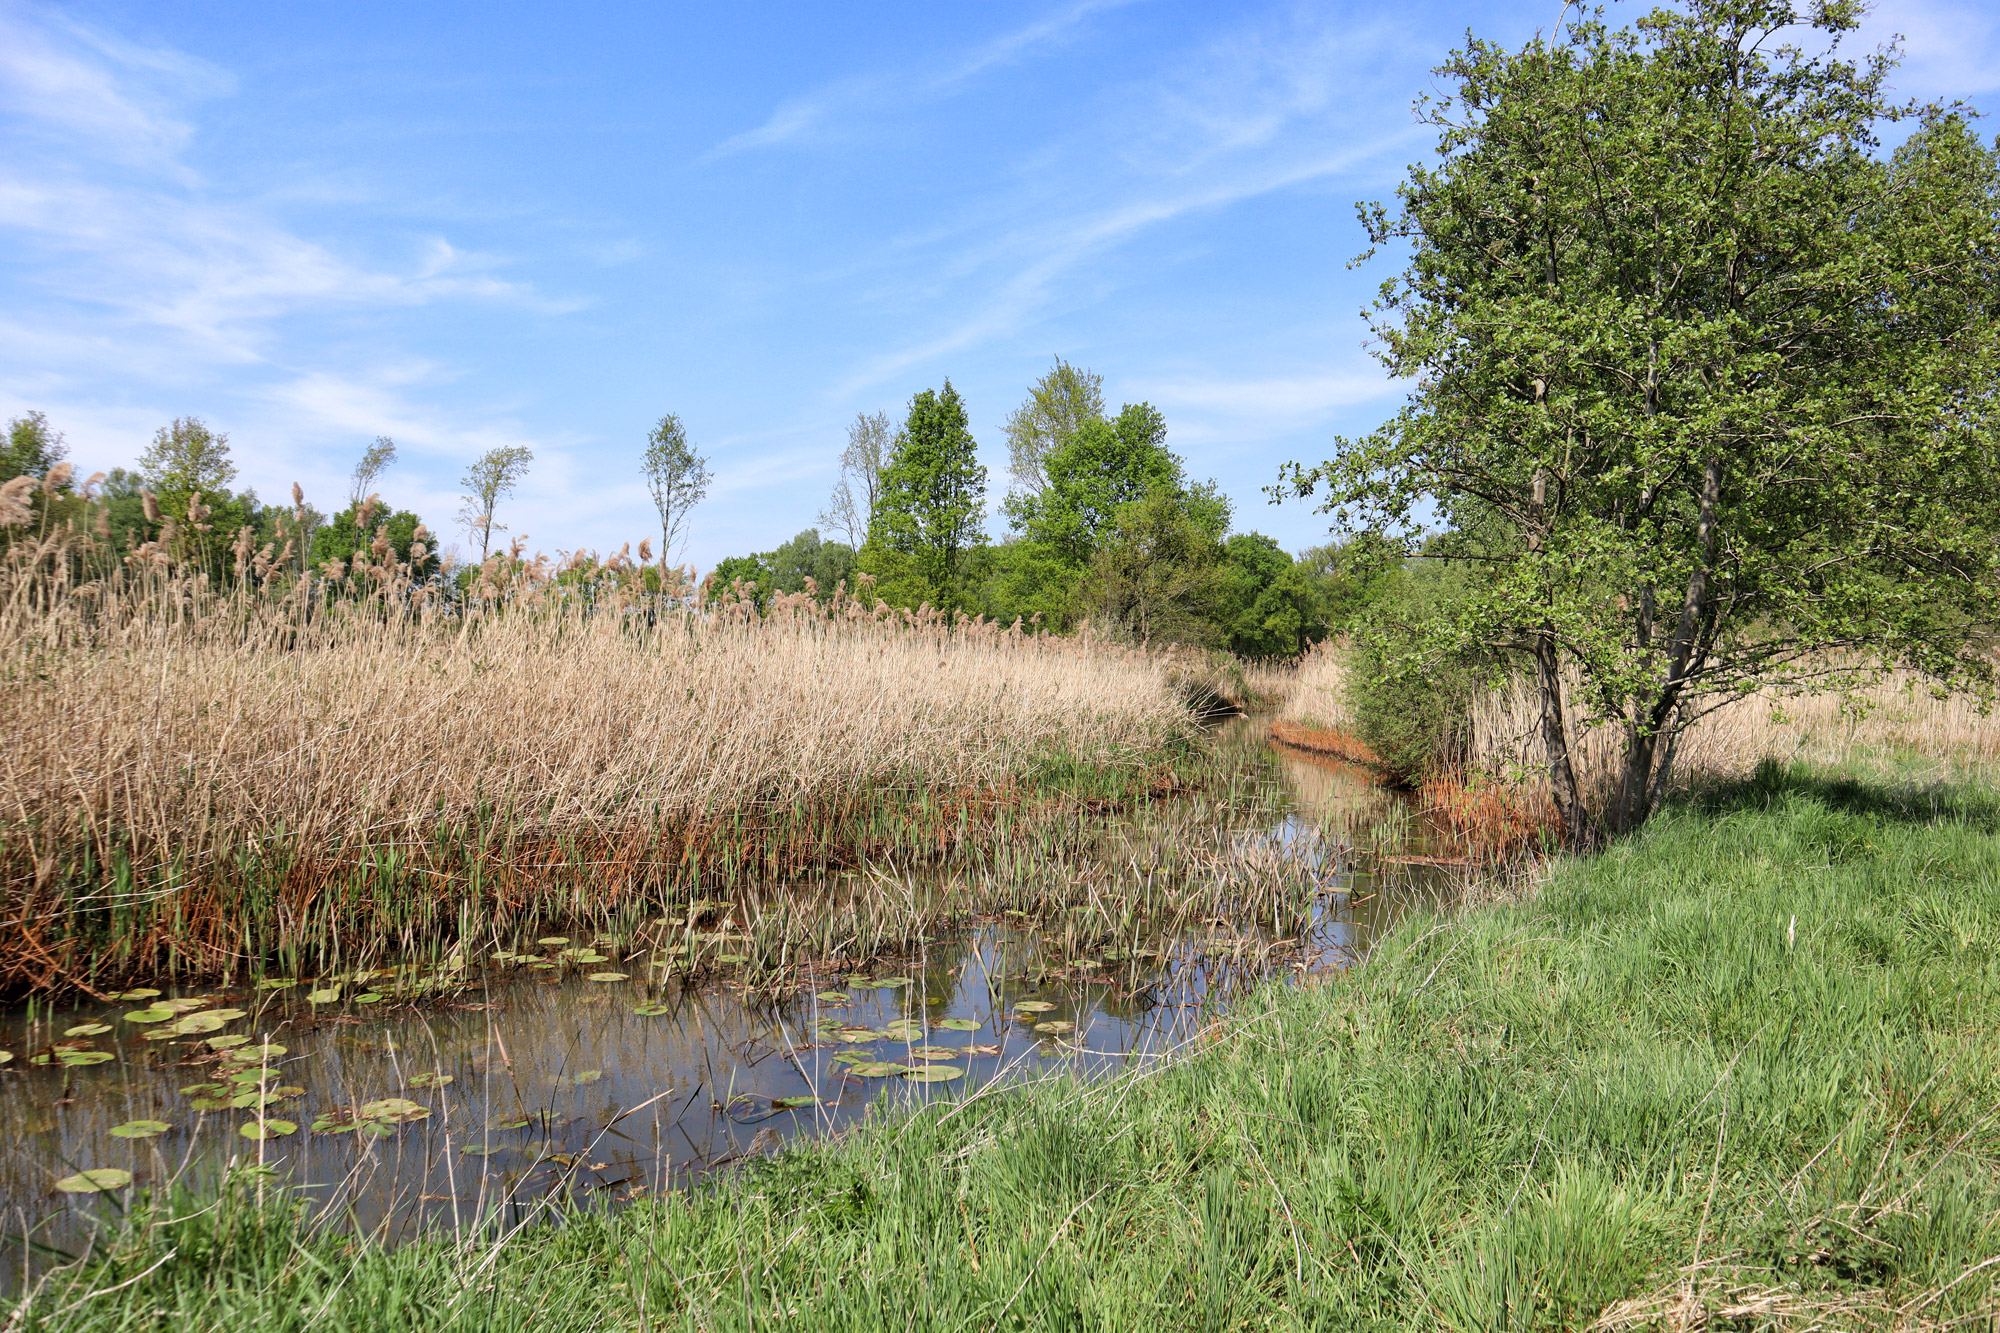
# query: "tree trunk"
[1555,742]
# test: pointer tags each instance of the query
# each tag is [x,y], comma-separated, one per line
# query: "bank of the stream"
[1738,1072]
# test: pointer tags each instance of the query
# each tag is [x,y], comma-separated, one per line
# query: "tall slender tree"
[932,504]
[852,507]
[491,478]
[678,478]
[374,462]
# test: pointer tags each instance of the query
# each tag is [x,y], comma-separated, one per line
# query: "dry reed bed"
[173,753]
[1500,802]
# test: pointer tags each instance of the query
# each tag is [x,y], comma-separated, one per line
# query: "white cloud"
[1269,404]
[818,116]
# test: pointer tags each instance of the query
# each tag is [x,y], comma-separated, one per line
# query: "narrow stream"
[535,1082]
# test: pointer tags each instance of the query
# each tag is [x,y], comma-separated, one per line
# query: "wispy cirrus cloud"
[833,111]
[1263,110]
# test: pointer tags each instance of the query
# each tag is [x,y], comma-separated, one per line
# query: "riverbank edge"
[1739,1067]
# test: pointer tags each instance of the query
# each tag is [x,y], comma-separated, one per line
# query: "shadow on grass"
[1871,797]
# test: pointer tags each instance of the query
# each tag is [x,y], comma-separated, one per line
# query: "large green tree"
[932,503]
[1706,380]
[1097,468]
[1058,405]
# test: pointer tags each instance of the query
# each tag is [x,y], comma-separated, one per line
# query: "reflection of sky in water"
[558,1087]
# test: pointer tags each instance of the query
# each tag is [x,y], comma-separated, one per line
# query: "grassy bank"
[1740,1072]
[196,781]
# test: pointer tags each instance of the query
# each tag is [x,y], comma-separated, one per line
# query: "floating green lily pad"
[86,1057]
[227,1042]
[324,995]
[136,993]
[211,1103]
[960,1024]
[858,1034]
[194,1023]
[277,983]
[186,1004]
[890,983]
[481,1149]
[334,1122]
[543,967]
[878,1069]
[149,1015]
[87,1029]
[394,1110]
[651,1010]
[94,1182]
[607,976]
[429,1079]
[936,1052]
[246,1101]
[553,939]
[290,1090]
[833,997]
[586,1076]
[934,1074]
[207,1090]
[854,1057]
[1055,1026]
[794,1103]
[253,1075]
[226,1015]
[138,1129]
[1033,1007]
[369,997]
[509,1122]
[266,1129]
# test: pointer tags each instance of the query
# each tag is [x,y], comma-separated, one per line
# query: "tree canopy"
[932,501]
[1703,383]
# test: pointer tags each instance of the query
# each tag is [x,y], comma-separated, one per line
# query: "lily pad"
[87,1030]
[982,1050]
[393,1110]
[211,1103]
[369,997]
[139,1129]
[207,1090]
[245,1101]
[324,995]
[253,1075]
[607,976]
[334,1122]
[277,983]
[509,1122]
[184,1005]
[878,1069]
[651,1010]
[890,983]
[586,1076]
[833,997]
[226,1015]
[228,1042]
[1033,1007]
[136,993]
[86,1057]
[934,1074]
[858,1034]
[6,1057]
[936,1052]
[94,1182]
[960,1024]
[794,1103]
[266,1129]
[149,1015]
[481,1149]
[198,1023]
[290,1090]
[553,939]
[1055,1026]
[429,1079]
[854,1057]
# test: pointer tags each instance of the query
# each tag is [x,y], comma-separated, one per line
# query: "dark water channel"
[532,1084]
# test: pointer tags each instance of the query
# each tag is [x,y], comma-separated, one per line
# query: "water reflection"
[536,1086]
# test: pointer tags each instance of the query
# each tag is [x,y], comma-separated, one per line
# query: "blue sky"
[464,226]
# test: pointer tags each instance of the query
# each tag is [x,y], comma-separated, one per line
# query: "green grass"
[1749,1058]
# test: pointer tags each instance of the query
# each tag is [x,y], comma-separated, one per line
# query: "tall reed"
[192,765]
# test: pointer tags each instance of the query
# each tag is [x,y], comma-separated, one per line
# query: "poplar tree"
[932,501]
[1703,381]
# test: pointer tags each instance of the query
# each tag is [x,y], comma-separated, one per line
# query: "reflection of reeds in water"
[194,777]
